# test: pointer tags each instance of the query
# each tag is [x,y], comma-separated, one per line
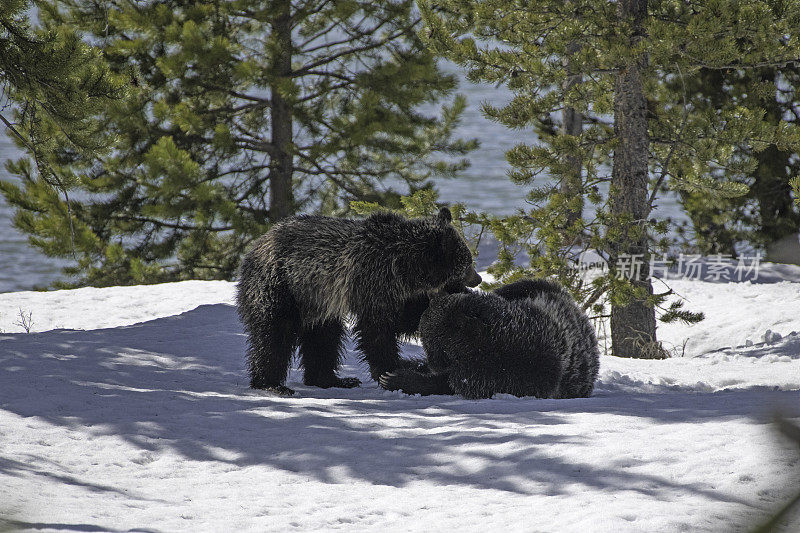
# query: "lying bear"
[527,338]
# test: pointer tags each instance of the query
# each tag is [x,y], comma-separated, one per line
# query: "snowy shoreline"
[128,407]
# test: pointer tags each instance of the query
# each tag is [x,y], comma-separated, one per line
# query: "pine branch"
[665,165]
[352,51]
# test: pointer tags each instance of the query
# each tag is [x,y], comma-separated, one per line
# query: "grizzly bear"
[308,273]
[527,338]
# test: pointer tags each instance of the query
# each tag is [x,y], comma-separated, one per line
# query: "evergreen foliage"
[765,214]
[53,87]
[795,183]
[241,113]
[643,129]
[57,81]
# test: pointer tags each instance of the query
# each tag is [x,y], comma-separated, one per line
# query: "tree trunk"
[281,201]
[774,194]
[633,326]
[771,186]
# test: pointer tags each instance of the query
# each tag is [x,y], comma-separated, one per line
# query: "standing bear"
[528,338]
[308,273]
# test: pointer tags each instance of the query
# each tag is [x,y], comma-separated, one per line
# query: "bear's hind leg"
[271,328]
[321,355]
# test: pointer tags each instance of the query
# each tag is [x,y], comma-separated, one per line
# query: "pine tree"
[242,113]
[765,214]
[53,85]
[639,132]
[55,80]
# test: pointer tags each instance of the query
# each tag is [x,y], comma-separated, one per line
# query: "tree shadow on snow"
[180,383]
[15,525]
[787,347]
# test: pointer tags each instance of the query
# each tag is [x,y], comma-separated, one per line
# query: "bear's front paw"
[413,382]
[392,380]
[413,365]
[337,382]
[405,380]
[347,383]
[280,390]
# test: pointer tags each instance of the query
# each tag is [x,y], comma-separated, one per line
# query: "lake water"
[483,186]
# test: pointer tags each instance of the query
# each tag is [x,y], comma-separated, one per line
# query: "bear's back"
[581,353]
[331,266]
[307,254]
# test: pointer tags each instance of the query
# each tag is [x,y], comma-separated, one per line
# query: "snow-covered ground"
[136,415]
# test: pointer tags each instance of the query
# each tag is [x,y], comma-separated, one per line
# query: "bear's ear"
[444,215]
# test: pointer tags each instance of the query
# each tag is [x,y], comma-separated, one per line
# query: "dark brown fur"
[303,277]
[528,338]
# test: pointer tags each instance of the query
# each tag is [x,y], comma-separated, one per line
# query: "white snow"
[138,417]
[93,308]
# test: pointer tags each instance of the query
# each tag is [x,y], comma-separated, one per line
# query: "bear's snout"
[473,278]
